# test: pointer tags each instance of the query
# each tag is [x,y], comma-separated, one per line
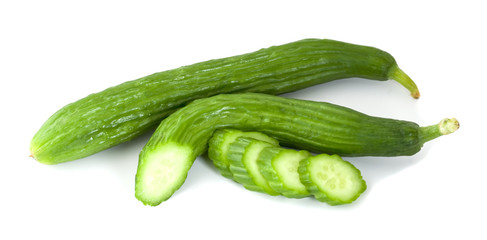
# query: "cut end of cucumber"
[401,77]
[448,125]
[162,172]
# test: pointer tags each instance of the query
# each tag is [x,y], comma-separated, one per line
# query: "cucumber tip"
[449,125]
[415,94]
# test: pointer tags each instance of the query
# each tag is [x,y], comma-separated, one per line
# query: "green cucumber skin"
[217,148]
[216,152]
[121,113]
[307,125]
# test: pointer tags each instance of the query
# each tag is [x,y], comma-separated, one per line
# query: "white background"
[55,52]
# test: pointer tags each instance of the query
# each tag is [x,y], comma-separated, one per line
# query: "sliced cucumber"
[330,179]
[218,146]
[279,166]
[242,155]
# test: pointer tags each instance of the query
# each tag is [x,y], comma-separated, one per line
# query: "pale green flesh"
[165,168]
[337,179]
[250,162]
[286,166]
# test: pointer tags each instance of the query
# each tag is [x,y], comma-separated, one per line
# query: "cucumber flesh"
[222,138]
[331,179]
[161,173]
[279,166]
[243,154]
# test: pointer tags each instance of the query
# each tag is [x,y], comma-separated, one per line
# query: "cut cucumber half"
[159,174]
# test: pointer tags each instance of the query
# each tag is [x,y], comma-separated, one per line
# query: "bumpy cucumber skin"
[217,146]
[121,113]
[236,154]
[266,166]
[307,125]
[319,194]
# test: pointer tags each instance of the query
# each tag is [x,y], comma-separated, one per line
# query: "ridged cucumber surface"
[279,166]
[222,138]
[331,179]
[308,125]
[121,113]
[243,154]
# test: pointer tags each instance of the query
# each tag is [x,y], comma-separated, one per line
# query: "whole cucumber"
[315,126]
[118,114]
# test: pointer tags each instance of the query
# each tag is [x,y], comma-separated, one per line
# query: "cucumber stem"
[395,73]
[446,126]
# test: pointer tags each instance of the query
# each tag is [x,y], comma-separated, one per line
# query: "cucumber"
[243,154]
[308,125]
[330,179]
[279,166]
[123,112]
[218,146]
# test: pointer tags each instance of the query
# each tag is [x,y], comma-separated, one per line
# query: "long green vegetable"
[321,127]
[118,114]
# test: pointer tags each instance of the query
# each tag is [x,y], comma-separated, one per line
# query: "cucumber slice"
[242,155]
[331,179]
[222,138]
[279,166]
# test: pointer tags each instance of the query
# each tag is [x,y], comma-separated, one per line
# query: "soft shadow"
[119,162]
[208,163]
[376,169]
